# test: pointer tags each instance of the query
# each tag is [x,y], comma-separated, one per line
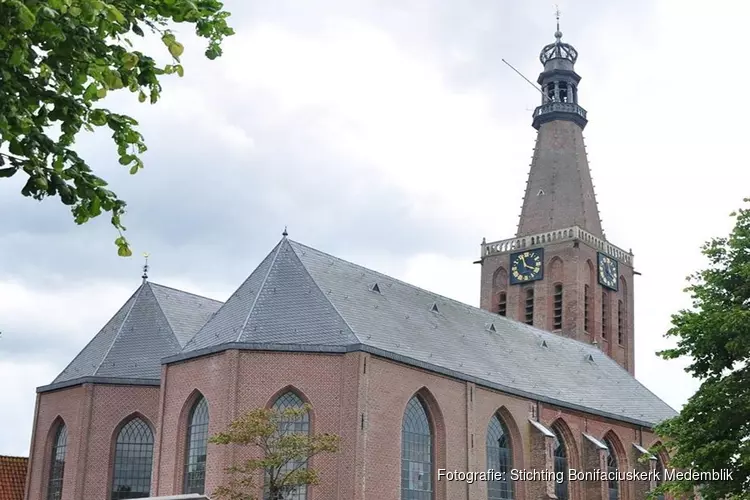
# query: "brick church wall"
[92,414]
[357,396]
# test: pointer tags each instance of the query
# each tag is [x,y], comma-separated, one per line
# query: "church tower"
[559,272]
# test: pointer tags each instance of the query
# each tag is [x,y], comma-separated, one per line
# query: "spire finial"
[145,267]
[285,233]
[558,33]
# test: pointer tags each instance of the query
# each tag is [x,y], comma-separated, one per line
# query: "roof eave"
[98,380]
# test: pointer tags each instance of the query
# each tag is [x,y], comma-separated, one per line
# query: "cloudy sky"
[390,133]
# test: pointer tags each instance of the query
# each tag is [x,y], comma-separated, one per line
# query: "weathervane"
[145,267]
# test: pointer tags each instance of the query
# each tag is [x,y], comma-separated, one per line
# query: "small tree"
[712,431]
[281,458]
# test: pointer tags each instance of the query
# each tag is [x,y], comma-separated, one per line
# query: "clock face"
[608,271]
[526,266]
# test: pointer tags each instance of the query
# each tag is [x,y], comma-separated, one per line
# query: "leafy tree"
[713,430]
[281,456]
[58,60]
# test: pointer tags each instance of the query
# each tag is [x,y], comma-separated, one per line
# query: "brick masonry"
[357,396]
[572,264]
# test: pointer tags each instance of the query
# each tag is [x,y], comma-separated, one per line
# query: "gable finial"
[285,233]
[145,267]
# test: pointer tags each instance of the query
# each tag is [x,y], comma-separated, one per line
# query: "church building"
[539,378]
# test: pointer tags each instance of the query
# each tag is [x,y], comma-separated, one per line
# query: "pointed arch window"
[197,446]
[134,452]
[499,458]
[613,483]
[561,466]
[417,456]
[57,463]
[293,425]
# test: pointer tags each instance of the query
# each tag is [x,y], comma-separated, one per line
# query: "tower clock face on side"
[526,266]
[608,271]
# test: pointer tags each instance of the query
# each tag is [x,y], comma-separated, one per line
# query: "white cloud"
[388,109]
[70,312]
[19,398]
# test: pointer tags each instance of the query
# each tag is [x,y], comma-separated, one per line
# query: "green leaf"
[129,61]
[212,53]
[91,92]
[141,96]
[115,14]
[15,147]
[8,172]
[168,39]
[16,57]
[126,159]
[25,16]
[98,117]
[180,70]
[124,250]
[176,49]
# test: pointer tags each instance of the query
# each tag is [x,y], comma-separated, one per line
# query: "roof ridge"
[325,295]
[119,329]
[161,310]
[385,275]
[436,295]
[262,284]
[183,291]
[14,456]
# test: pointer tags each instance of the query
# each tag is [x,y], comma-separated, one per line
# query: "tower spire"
[145,267]
[559,193]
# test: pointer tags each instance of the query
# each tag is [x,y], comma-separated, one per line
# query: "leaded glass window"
[499,458]
[613,482]
[293,425]
[57,463]
[416,453]
[197,445]
[134,452]
[561,467]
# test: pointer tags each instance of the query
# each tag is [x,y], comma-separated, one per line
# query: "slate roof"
[302,299]
[12,477]
[156,321]
[559,192]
